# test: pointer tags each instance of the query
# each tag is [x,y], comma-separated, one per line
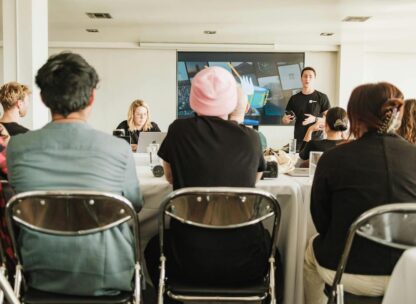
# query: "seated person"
[408,126]
[335,124]
[239,112]
[138,120]
[67,153]
[209,150]
[14,98]
[352,178]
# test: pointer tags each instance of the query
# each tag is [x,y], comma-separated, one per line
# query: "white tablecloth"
[293,196]
[401,288]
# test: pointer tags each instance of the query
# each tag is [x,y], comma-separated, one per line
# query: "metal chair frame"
[126,208]
[225,191]
[337,289]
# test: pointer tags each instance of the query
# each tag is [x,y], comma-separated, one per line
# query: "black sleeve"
[321,197]
[155,127]
[304,153]
[166,146]
[123,125]
[289,106]
[324,102]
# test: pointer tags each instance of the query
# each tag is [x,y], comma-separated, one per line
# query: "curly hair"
[11,93]
[408,126]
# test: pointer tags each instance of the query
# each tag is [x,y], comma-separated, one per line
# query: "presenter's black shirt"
[209,151]
[301,104]
[13,128]
[134,135]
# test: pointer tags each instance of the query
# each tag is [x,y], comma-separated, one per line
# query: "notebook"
[299,172]
[147,138]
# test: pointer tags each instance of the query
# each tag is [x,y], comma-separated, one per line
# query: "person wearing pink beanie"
[208,150]
[213,92]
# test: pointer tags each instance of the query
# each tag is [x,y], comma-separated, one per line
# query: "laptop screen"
[147,138]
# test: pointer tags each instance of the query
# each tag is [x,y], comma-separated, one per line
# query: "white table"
[293,196]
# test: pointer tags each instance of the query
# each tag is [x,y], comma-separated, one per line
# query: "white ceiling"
[278,22]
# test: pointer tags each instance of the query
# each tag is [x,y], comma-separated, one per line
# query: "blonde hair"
[11,93]
[130,115]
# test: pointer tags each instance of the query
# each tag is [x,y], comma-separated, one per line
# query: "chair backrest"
[392,225]
[69,213]
[220,208]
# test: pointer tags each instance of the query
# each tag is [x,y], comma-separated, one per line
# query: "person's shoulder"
[320,94]
[123,125]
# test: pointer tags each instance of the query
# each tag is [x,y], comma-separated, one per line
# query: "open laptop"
[147,138]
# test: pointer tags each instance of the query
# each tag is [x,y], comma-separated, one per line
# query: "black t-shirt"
[317,145]
[301,104]
[134,135]
[14,128]
[209,151]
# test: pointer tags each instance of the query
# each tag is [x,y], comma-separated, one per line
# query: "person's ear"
[92,97]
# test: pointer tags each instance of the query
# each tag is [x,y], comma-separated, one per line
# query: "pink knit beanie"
[213,92]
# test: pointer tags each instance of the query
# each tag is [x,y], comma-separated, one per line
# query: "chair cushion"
[34,296]
[186,289]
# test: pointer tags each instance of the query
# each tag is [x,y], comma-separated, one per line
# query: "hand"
[133,147]
[317,126]
[247,85]
[309,119]
[288,118]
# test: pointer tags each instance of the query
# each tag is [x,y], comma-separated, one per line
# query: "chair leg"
[137,287]
[340,294]
[272,288]
[161,280]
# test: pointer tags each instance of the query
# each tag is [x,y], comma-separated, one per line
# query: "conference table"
[293,194]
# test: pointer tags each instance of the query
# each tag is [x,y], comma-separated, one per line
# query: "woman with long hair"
[408,126]
[352,178]
[138,120]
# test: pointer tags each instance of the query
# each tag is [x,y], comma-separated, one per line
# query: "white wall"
[129,74]
[397,68]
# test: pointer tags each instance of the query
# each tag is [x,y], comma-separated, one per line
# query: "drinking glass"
[292,146]
[314,157]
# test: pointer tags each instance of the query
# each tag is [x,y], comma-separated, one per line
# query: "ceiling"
[280,22]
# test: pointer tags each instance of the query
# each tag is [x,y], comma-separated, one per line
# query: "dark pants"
[219,257]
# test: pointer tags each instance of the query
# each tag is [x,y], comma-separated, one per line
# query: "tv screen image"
[275,77]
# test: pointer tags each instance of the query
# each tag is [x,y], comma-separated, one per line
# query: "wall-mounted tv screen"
[275,76]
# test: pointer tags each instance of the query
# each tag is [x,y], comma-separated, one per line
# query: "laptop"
[299,172]
[147,138]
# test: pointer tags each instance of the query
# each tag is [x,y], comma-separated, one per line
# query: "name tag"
[312,101]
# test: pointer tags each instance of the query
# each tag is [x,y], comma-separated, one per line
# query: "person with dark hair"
[351,179]
[408,125]
[306,107]
[14,97]
[336,122]
[69,154]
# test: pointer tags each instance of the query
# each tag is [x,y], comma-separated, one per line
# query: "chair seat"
[350,298]
[255,289]
[34,296]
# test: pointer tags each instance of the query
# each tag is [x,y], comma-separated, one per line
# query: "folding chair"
[6,291]
[65,214]
[219,208]
[392,225]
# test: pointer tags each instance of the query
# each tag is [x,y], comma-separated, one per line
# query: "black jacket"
[350,179]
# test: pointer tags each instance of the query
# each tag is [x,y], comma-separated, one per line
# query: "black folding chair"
[66,214]
[392,225]
[219,208]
